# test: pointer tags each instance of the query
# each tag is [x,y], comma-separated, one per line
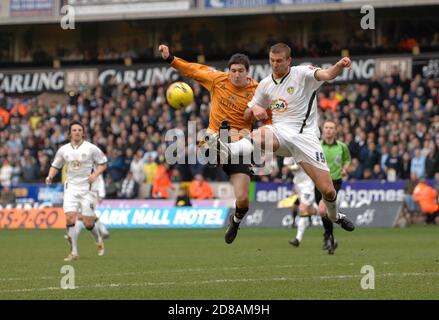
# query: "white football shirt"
[80,161]
[292,99]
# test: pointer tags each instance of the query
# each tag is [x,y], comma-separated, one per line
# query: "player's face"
[280,63]
[76,133]
[329,130]
[238,75]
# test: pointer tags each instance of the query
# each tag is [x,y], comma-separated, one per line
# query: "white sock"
[78,227]
[71,232]
[243,147]
[95,233]
[331,209]
[102,228]
[301,227]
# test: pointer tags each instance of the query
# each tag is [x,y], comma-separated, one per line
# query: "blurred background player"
[80,189]
[307,207]
[230,92]
[183,199]
[338,159]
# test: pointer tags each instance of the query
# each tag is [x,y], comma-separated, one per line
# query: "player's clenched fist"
[164,50]
[344,63]
[259,113]
[48,180]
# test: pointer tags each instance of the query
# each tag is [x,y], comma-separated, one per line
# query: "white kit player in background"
[85,162]
[290,93]
[101,196]
[305,190]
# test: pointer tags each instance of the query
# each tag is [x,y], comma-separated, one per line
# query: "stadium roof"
[151,9]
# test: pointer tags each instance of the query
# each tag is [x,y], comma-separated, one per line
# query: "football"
[179,95]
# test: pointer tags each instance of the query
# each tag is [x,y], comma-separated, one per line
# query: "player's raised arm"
[204,74]
[334,71]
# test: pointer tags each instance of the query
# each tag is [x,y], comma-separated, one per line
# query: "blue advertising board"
[352,193]
[39,193]
[218,4]
[181,217]
[26,8]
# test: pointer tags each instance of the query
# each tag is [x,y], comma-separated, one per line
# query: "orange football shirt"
[228,102]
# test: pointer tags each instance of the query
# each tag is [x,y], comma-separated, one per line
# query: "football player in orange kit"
[229,92]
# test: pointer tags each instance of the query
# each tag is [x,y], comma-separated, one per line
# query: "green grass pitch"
[197,264]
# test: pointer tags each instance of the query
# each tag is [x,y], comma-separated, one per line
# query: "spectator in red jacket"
[426,196]
[200,189]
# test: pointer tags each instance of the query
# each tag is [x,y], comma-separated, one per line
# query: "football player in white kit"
[305,190]
[85,162]
[290,93]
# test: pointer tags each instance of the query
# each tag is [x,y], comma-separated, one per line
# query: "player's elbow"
[324,75]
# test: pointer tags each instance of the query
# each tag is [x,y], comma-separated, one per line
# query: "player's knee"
[328,192]
[89,224]
[303,208]
[70,220]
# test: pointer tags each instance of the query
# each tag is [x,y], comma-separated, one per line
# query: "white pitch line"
[183,271]
[215,281]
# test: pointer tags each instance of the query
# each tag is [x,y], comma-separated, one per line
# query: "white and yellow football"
[179,95]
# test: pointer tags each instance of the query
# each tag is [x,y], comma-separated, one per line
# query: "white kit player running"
[305,190]
[80,189]
[290,92]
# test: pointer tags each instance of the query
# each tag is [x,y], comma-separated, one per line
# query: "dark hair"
[75,123]
[239,58]
[281,47]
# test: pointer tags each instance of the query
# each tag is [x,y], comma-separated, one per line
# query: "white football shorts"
[304,147]
[83,201]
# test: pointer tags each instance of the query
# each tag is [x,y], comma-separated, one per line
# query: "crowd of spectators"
[391,126]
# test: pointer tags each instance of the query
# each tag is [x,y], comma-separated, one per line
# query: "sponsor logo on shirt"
[279,105]
[75,165]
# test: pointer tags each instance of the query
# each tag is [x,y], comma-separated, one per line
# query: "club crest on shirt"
[279,105]
[290,90]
